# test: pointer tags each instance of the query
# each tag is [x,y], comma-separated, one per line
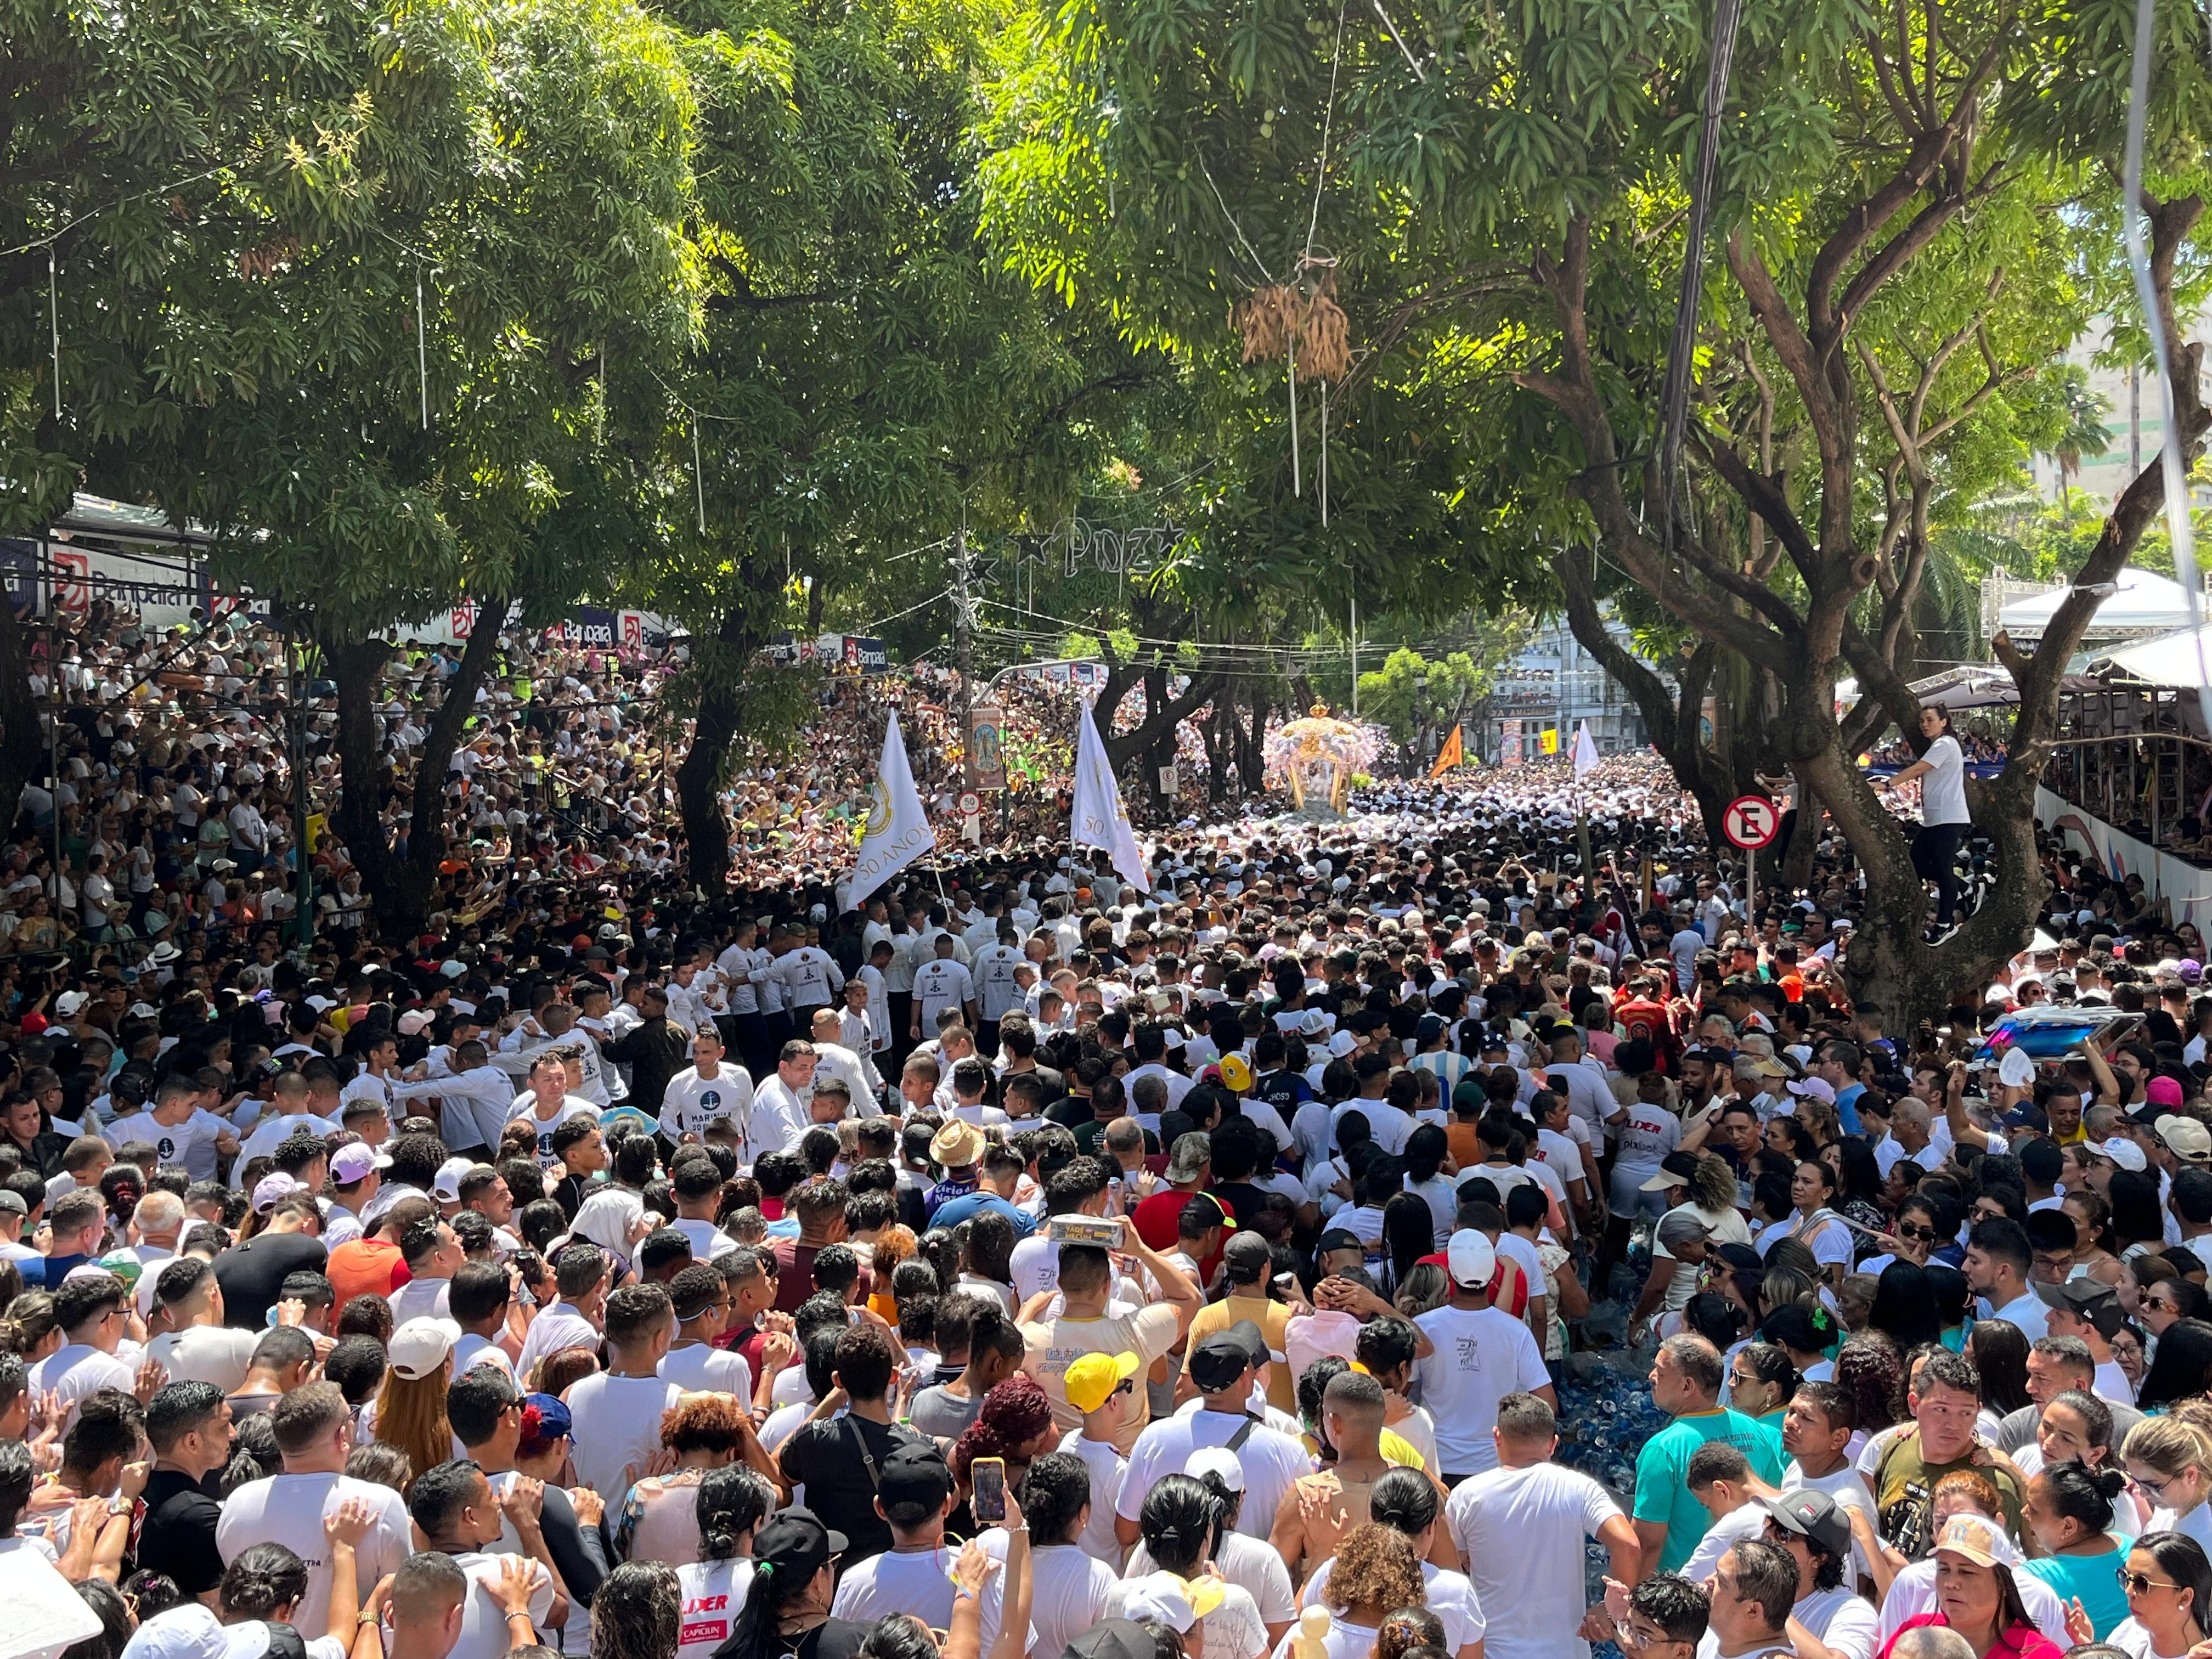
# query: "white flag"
[1097,819]
[897,831]
[1585,751]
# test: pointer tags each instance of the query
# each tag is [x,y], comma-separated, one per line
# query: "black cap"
[1248,1256]
[1218,1361]
[2088,1299]
[1338,1238]
[914,1480]
[1113,1638]
[794,1544]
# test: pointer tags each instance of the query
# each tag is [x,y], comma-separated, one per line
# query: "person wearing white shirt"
[1522,1526]
[705,1091]
[940,983]
[687,998]
[547,1104]
[780,1109]
[702,1305]
[474,1102]
[1479,1354]
[867,1021]
[314,1429]
[462,1517]
[91,1313]
[998,989]
[1997,1263]
[856,1071]
[811,979]
[913,1488]
[1069,1587]
[616,1412]
[1945,819]
[181,1130]
[1222,1366]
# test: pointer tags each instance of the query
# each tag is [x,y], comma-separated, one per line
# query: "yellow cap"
[1236,1072]
[1091,1380]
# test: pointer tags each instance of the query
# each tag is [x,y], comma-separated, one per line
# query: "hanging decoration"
[1299,321]
[422,350]
[54,319]
[698,472]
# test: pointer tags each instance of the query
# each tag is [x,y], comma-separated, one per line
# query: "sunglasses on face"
[2162,1304]
[1905,1229]
[2141,1583]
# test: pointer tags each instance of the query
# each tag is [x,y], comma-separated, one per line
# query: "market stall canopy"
[2175,661]
[2144,602]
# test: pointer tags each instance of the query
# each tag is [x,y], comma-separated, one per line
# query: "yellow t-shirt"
[1271,1316]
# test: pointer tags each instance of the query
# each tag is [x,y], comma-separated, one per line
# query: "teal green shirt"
[1663,1492]
[2093,1578]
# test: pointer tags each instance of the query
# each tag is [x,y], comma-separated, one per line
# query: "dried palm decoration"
[1300,322]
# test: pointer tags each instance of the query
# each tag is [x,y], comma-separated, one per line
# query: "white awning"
[2175,660]
[2145,603]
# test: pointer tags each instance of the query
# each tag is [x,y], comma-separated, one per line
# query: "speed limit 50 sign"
[1752,822]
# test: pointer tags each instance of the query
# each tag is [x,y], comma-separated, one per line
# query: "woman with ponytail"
[2069,1514]
[784,1611]
[732,1502]
[1181,1524]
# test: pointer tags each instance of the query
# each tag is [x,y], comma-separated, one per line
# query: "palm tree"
[2085,432]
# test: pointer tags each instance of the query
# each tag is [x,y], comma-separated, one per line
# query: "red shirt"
[2022,1641]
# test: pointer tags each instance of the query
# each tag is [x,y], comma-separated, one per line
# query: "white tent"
[2146,602]
[2175,660]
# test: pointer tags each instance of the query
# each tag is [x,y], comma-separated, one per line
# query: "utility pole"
[964,646]
[1355,656]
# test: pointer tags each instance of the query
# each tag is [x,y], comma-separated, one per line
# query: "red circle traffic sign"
[1752,822]
[970,803]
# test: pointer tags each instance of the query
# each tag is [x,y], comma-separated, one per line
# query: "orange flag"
[1453,753]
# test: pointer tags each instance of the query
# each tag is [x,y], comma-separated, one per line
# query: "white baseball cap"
[446,1187]
[2124,1152]
[1472,1258]
[1216,1459]
[354,1162]
[420,1346]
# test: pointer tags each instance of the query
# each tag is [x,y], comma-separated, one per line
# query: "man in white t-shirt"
[616,1412]
[1224,1366]
[1813,1528]
[1479,1354]
[91,1310]
[182,1132]
[314,1431]
[706,1090]
[461,1517]
[914,1489]
[1521,1527]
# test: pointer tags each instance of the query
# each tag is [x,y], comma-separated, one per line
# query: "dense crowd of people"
[1377,1238]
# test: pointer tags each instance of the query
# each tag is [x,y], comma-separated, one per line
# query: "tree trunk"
[425,826]
[1251,745]
[720,717]
[1153,738]
[1713,777]
[354,665]
[22,744]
